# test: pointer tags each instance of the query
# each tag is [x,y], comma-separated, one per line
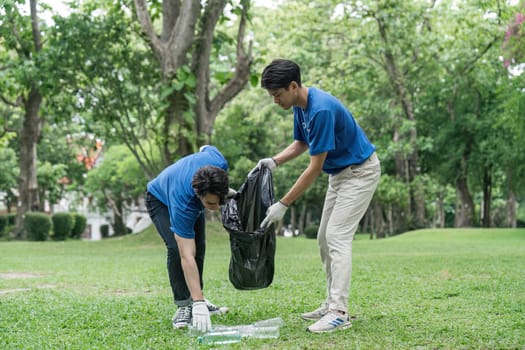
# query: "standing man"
[175,200]
[339,147]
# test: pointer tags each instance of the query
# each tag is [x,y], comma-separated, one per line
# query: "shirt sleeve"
[321,132]
[183,222]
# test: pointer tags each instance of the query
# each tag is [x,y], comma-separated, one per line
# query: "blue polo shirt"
[326,125]
[173,188]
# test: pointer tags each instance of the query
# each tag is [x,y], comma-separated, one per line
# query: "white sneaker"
[317,314]
[330,322]
[216,310]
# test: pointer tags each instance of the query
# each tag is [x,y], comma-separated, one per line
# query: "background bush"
[311,231]
[3,224]
[11,219]
[79,225]
[37,226]
[62,226]
[104,230]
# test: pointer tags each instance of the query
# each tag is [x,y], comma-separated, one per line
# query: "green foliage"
[19,57]
[79,226]
[62,226]
[116,89]
[243,140]
[118,179]
[98,76]
[392,191]
[9,171]
[37,226]
[311,232]
[49,176]
[61,143]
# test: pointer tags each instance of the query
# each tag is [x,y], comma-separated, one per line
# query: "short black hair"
[279,74]
[211,179]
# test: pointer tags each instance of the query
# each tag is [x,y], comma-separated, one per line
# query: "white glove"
[231,193]
[274,213]
[201,316]
[269,162]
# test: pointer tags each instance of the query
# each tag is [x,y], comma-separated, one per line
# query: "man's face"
[211,201]
[284,97]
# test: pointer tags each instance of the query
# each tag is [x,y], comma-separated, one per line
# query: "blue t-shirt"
[328,126]
[173,188]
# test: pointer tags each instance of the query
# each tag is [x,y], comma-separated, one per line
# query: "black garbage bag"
[252,248]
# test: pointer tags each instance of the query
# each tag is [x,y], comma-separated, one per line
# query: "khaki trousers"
[347,198]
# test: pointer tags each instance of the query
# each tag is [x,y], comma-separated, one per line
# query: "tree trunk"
[29,136]
[302,217]
[487,192]
[397,80]
[206,107]
[187,31]
[119,226]
[178,30]
[419,207]
[308,219]
[293,217]
[464,204]
[379,221]
[511,203]
[28,199]
[369,223]
[390,219]
[177,128]
[366,225]
[441,210]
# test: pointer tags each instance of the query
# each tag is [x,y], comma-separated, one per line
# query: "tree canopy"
[436,85]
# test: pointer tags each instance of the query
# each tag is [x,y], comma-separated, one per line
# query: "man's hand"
[231,193]
[201,316]
[274,213]
[270,163]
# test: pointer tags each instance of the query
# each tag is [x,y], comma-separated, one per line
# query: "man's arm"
[292,151]
[306,179]
[277,210]
[187,252]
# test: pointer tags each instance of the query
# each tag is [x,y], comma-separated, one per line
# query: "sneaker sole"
[343,326]
[180,325]
[317,318]
[311,317]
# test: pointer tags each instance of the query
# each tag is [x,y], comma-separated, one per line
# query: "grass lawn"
[428,289]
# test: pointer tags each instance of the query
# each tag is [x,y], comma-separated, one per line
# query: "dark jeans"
[159,214]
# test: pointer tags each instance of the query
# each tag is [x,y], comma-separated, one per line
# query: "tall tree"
[466,44]
[160,99]
[187,38]
[21,88]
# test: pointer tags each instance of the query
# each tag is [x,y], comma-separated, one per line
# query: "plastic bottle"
[220,337]
[271,322]
[194,332]
[265,332]
[221,334]
[244,330]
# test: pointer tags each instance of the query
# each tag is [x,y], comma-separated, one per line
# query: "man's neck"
[302,98]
